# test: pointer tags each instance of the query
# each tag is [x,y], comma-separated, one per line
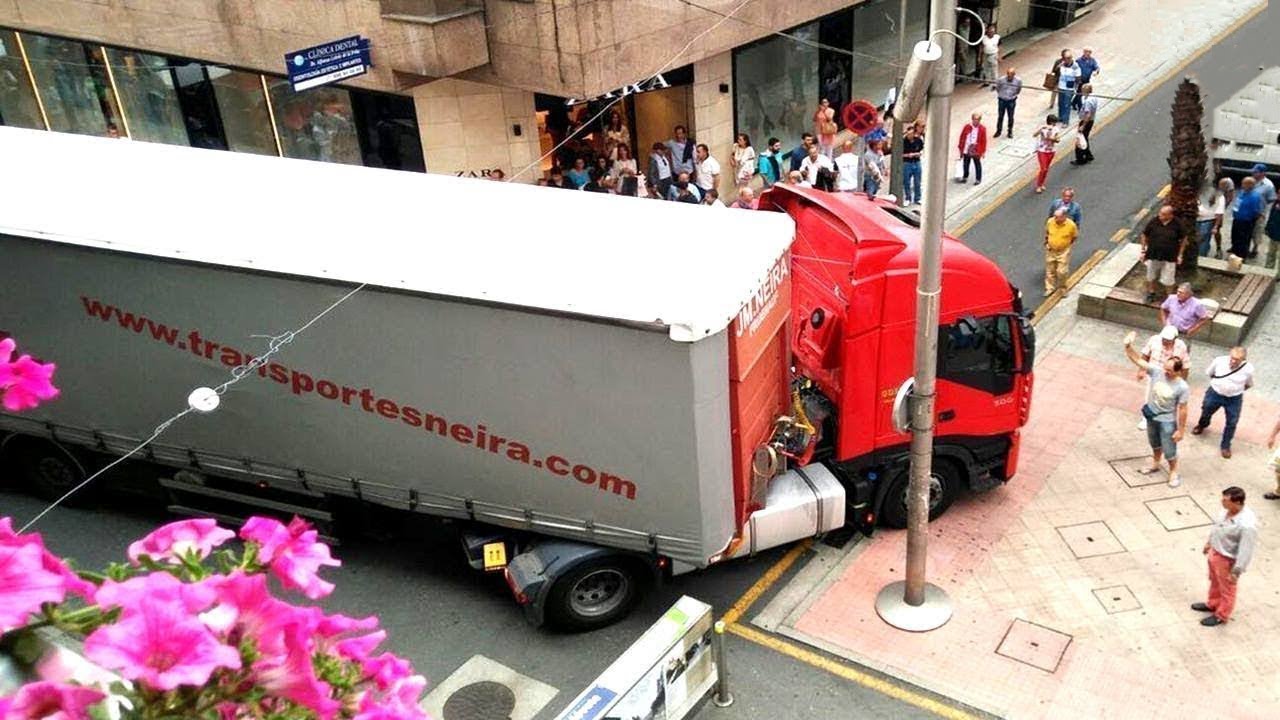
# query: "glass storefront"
[846,56]
[647,113]
[96,90]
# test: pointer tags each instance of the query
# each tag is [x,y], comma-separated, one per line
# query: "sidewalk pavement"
[1072,583]
[1135,41]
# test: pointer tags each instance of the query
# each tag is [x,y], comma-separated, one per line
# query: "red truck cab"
[852,328]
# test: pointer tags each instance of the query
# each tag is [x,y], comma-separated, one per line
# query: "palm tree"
[1188,163]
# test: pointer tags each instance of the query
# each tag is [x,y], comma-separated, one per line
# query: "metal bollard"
[722,697]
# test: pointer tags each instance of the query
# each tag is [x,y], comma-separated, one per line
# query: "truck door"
[978,375]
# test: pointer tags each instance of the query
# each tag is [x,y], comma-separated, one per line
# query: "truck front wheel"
[943,487]
[597,593]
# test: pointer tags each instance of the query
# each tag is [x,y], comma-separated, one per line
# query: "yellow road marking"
[1045,306]
[849,673]
[766,581]
[1119,235]
[1137,217]
[1164,191]
[1084,269]
[999,199]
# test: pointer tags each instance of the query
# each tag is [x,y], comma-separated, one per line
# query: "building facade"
[457,86]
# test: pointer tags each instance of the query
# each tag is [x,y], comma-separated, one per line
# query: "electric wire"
[275,343]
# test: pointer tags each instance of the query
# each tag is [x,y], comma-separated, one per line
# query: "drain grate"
[1034,645]
[1127,468]
[1091,539]
[1117,599]
[485,700]
[1178,513]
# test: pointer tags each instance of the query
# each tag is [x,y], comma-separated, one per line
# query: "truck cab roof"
[684,269]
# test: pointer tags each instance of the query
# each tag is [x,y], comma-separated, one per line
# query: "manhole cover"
[1178,513]
[1090,540]
[1117,599]
[1127,469]
[480,701]
[1034,645]
[1017,149]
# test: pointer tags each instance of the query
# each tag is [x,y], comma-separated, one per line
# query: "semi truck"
[596,392]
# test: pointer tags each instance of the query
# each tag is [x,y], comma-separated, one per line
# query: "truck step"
[192,488]
[232,521]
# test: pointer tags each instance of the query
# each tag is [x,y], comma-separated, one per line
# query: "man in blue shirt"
[1245,215]
[800,152]
[1089,67]
[1267,192]
[1068,203]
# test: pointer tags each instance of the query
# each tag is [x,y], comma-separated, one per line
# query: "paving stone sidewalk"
[1134,42]
[1071,584]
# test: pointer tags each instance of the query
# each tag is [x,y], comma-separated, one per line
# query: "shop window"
[73,84]
[777,87]
[148,97]
[315,124]
[18,106]
[388,130]
[876,42]
[242,110]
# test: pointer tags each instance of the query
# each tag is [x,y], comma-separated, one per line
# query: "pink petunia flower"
[25,585]
[386,670]
[245,609]
[159,642]
[169,543]
[49,701]
[136,594]
[72,583]
[292,675]
[24,383]
[292,552]
[398,703]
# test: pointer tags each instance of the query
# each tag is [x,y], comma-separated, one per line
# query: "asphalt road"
[1131,162]
[439,613]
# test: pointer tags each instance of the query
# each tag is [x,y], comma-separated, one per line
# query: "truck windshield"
[978,353]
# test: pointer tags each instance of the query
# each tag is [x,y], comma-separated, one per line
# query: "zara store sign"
[657,82]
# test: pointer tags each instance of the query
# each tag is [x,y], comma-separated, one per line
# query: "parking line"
[1164,191]
[847,672]
[1110,117]
[766,581]
[1119,235]
[1137,217]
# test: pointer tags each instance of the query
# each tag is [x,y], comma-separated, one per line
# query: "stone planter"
[1113,292]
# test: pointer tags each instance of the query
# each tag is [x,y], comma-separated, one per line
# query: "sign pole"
[899,128]
[914,604]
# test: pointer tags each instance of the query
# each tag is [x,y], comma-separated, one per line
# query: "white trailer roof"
[687,267]
[1247,125]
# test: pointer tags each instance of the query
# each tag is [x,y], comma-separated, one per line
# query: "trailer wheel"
[597,593]
[50,471]
[943,487]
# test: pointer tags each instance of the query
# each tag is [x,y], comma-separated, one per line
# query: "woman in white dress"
[744,161]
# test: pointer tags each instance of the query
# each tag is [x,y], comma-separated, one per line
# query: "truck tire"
[597,593]
[49,471]
[945,485]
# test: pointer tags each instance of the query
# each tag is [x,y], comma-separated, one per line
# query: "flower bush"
[24,383]
[192,629]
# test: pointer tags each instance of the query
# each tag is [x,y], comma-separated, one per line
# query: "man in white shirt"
[708,169]
[1211,207]
[990,54]
[815,161]
[1160,347]
[1230,547]
[848,169]
[1229,376]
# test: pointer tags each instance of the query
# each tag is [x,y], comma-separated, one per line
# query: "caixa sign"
[657,82]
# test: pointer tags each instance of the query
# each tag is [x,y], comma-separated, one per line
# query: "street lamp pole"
[914,604]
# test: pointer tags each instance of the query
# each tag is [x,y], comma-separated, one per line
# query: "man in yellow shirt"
[1059,235]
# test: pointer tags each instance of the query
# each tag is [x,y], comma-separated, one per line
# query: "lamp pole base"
[932,614]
